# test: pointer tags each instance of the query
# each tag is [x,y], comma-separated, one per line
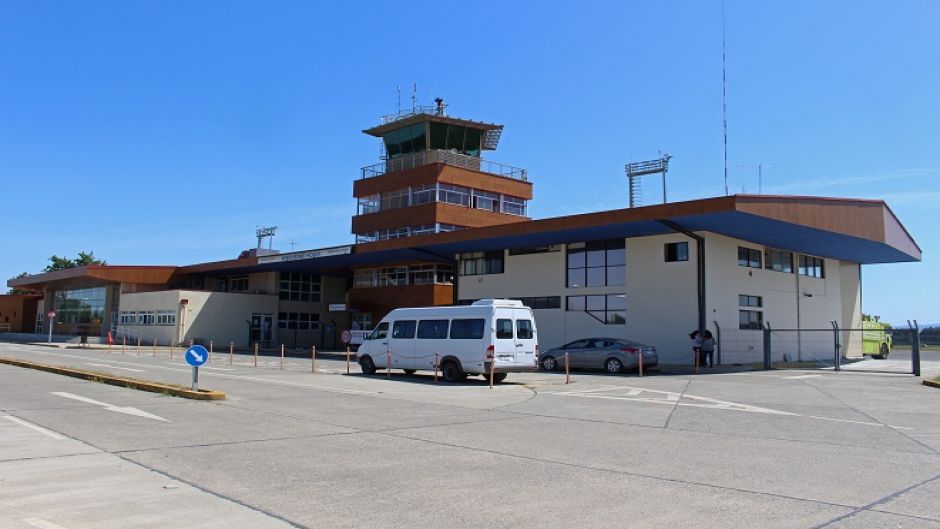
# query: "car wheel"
[613,366]
[499,377]
[883,350]
[452,372]
[410,371]
[367,365]
[549,363]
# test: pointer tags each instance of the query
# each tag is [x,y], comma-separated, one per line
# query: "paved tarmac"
[289,447]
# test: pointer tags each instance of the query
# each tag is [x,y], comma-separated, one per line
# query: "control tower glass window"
[407,140]
[457,138]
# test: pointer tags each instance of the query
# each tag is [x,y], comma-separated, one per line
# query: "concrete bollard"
[256,354]
[313,359]
[282,357]
[347,359]
[437,363]
[231,352]
[640,361]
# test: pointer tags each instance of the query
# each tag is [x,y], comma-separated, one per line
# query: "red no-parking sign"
[51,314]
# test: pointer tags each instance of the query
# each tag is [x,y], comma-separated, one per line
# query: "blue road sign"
[196,355]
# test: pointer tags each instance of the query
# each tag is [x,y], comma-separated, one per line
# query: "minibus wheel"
[452,373]
[410,371]
[367,365]
[499,377]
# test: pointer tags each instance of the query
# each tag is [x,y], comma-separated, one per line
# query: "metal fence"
[836,348]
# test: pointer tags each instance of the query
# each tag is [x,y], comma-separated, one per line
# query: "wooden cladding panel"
[448,174]
[429,214]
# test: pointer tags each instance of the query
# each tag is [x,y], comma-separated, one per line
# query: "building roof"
[853,230]
[94,274]
[380,130]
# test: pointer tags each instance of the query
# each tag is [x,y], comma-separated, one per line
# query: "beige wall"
[662,302]
[217,316]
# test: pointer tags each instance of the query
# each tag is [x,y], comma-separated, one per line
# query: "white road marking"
[32,426]
[114,367]
[799,377]
[111,407]
[677,399]
[42,524]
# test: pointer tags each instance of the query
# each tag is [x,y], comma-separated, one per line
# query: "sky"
[165,132]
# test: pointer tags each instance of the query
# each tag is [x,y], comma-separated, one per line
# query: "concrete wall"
[662,306]
[217,316]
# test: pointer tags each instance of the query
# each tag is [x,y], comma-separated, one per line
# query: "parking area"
[292,447]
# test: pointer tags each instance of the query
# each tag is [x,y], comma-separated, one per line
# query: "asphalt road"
[290,448]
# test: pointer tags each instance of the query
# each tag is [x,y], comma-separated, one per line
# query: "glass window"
[597,264]
[535,249]
[166,317]
[750,301]
[610,309]
[380,332]
[676,251]
[811,266]
[83,305]
[485,200]
[399,198]
[432,329]
[779,260]
[514,205]
[369,204]
[299,286]
[479,263]
[146,317]
[524,330]
[748,257]
[466,329]
[423,194]
[452,194]
[504,329]
[403,329]
[541,302]
[750,319]
[405,140]
[578,344]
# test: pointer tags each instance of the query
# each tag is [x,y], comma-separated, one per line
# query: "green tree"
[20,290]
[83,259]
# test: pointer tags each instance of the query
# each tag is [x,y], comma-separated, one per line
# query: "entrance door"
[260,330]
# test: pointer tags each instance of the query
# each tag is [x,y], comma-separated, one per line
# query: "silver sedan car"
[613,355]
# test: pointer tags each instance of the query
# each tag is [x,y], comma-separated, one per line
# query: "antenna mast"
[760,174]
[637,169]
[724,91]
[265,231]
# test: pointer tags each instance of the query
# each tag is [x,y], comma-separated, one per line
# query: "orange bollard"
[256,354]
[231,352]
[123,344]
[210,351]
[282,356]
[388,364]
[138,346]
[640,361]
[436,364]
[567,370]
[347,359]
[171,349]
[492,370]
[313,359]
[154,347]
[697,355]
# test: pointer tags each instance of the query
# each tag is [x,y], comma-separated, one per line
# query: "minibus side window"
[403,329]
[504,329]
[380,332]
[432,329]
[524,329]
[467,329]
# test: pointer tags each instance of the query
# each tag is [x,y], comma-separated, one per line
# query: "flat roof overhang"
[94,275]
[380,130]
[859,231]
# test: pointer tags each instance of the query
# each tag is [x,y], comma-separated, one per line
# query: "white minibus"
[463,340]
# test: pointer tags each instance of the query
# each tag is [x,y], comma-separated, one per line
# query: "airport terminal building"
[437,224]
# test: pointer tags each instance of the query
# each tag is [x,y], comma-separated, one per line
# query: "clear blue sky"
[160,132]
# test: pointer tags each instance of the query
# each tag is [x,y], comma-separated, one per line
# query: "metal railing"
[423,158]
[407,113]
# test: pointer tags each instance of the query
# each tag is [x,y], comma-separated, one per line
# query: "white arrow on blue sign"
[196,355]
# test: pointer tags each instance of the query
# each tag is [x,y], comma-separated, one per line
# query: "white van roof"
[498,303]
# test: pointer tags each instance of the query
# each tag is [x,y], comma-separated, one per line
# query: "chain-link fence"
[872,349]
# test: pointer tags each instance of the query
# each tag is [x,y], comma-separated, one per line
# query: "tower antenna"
[760,173]
[724,91]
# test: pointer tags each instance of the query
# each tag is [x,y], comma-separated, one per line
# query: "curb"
[931,383]
[113,380]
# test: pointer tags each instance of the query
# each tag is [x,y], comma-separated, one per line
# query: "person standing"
[708,348]
[696,347]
